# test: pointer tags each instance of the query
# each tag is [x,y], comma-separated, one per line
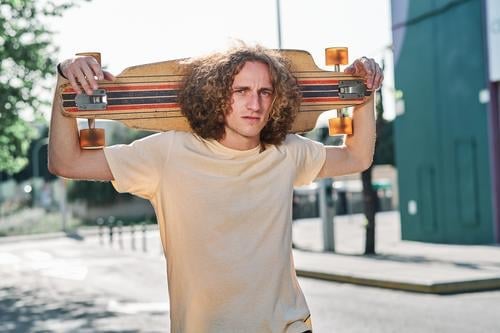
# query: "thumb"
[108,76]
[349,69]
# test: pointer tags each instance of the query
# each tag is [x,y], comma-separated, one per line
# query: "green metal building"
[447,73]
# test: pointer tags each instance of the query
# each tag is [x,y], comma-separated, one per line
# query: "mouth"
[251,118]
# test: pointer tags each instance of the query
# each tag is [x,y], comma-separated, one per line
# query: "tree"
[384,154]
[26,63]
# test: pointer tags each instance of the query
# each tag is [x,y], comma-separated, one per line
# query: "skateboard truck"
[342,124]
[351,89]
[96,101]
[92,138]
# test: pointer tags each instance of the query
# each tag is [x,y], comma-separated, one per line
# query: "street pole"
[326,213]
[64,203]
[1,198]
[278,19]
[36,167]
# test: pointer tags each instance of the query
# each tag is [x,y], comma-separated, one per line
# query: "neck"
[239,144]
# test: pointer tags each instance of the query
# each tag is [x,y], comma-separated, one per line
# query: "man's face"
[251,100]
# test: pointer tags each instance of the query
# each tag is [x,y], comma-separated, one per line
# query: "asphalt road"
[71,285]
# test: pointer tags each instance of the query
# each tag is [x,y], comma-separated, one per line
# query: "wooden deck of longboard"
[145,96]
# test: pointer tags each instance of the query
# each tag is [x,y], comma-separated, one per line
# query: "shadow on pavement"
[46,311]
[74,235]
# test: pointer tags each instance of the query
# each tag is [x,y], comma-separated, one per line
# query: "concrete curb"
[34,237]
[80,233]
[440,288]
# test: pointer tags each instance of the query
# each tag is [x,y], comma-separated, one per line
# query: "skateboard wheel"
[92,138]
[336,56]
[340,125]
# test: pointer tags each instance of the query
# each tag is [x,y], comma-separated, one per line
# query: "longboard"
[145,96]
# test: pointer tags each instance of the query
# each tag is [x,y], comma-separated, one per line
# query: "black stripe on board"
[133,93]
[131,101]
[319,87]
[312,94]
[146,93]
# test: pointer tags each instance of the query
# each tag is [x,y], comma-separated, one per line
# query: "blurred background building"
[447,73]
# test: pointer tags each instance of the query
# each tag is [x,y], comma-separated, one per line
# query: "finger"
[371,70]
[108,76]
[74,84]
[377,81]
[89,74]
[83,82]
[372,73]
[97,70]
[359,67]
[378,77]
[350,69]
[381,80]
[377,71]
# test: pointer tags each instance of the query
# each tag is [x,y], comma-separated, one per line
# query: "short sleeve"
[309,157]
[138,167]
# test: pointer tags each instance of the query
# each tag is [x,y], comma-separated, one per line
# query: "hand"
[368,69]
[84,71]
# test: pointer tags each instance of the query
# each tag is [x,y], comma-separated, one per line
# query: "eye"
[266,93]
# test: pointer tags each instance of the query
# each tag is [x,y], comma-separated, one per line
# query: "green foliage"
[26,62]
[15,137]
[94,193]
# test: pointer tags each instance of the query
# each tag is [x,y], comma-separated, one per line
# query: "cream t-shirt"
[225,221]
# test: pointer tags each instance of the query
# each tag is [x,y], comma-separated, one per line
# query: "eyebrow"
[270,89]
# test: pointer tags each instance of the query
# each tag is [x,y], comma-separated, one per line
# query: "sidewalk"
[404,265]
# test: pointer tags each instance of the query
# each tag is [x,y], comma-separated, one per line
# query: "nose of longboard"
[96,55]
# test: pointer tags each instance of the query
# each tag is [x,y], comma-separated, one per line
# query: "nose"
[253,101]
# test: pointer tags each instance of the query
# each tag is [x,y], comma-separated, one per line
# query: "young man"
[223,193]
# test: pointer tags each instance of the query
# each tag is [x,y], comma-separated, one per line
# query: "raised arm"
[357,153]
[66,158]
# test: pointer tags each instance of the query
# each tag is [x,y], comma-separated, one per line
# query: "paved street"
[348,308]
[66,285]
[71,285]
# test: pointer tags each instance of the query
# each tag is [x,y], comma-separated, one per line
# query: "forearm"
[361,145]
[63,137]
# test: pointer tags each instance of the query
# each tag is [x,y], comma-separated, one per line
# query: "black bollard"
[119,224]
[144,245]
[132,237]
[100,224]
[111,221]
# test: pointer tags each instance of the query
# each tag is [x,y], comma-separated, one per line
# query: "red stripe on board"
[134,87]
[322,99]
[131,107]
[327,81]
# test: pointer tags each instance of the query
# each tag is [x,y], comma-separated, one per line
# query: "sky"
[129,32]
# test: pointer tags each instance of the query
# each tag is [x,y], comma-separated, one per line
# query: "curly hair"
[205,97]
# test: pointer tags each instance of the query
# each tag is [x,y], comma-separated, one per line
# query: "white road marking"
[7,258]
[136,307]
[62,269]
[46,264]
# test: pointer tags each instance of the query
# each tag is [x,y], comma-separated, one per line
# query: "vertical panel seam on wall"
[441,214]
